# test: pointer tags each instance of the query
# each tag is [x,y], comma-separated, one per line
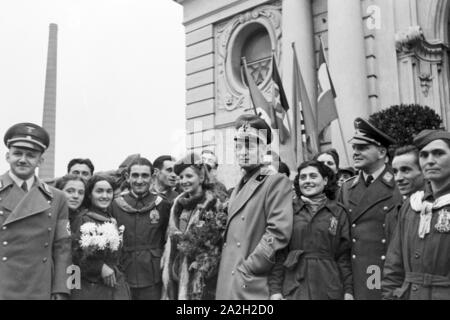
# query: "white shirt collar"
[376,174]
[19,181]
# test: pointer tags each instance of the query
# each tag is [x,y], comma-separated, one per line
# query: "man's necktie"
[24,186]
[369,180]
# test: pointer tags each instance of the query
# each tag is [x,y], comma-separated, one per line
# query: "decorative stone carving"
[231,93]
[425,82]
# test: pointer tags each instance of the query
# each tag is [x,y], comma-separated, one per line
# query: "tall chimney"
[47,169]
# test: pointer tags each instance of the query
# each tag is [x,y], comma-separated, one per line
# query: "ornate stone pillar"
[297,27]
[347,58]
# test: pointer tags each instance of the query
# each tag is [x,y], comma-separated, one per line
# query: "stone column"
[347,58]
[297,27]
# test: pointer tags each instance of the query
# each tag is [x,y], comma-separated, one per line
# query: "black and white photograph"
[247,151]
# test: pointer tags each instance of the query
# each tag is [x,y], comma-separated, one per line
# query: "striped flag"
[280,104]
[326,106]
[307,141]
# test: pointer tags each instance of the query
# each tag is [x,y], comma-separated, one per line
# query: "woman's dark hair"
[333,153]
[331,186]
[91,184]
[61,182]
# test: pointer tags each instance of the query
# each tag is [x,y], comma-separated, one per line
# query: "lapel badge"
[443,224]
[154,216]
[158,200]
[333,226]
[388,177]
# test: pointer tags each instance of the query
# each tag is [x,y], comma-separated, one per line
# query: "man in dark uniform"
[372,200]
[260,217]
[145,217]
[418,260]
[34,222]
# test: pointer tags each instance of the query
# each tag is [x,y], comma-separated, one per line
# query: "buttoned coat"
[35,248]
[416,268]
[373,215]
[260,217]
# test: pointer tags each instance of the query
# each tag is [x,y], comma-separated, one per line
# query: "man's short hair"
[159,162]
[140,162]
[86,162]
[408,149]
[212,153]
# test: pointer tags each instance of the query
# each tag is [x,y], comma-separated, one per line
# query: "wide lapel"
[357,190]
[32,203]
[376,193]
[13,197]
[239,199]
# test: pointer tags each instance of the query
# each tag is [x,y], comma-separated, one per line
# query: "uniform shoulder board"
[47,189]
[353,181]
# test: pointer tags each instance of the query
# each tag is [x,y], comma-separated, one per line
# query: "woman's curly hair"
[331,186]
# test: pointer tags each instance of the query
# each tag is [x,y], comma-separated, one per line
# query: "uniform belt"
[294,257]
[140,248]
[427,280]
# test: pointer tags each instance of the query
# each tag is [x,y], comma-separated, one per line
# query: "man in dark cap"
[34,222]
[372,200]
[259,217]
[418,261]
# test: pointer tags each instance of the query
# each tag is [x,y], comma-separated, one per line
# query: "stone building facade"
[380,53]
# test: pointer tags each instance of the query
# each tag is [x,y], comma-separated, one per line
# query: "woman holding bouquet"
[316,264]
[97,245]
[193,248]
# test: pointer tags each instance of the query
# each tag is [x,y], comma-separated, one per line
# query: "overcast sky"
[121,76]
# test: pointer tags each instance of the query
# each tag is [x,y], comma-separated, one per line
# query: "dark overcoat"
[35,248]
[316,264]
[145,221]
[418,269]
[373,215]
[259,224]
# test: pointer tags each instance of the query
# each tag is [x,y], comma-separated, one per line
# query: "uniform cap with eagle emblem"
[366,133]
[249,125]
[27,135]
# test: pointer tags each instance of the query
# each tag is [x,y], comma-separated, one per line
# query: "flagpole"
[244,62]
[337,109]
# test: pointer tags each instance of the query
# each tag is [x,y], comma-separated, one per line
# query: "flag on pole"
[307,141]
[260,104]
[326,106]
[280,104]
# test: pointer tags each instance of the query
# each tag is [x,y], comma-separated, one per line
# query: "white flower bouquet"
[105,238]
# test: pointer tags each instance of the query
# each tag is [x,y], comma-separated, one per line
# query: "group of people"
[170,230]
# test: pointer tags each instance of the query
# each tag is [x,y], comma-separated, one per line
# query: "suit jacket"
[35,241]
[260,217]
[373,215]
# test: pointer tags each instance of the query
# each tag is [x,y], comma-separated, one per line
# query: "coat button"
[244,286]
[417,255]
[350,210]
[4,228]
[238,244]
[5,243]
[46,244]
[4,258]
[385,208]
[353,225]
[354,256]
[225,244]
[243,218]
[384,225]
[44,260]
[49,214]
[49,229]
[232,272]
[1,213]
[383,240]
[354,240]
[383,257]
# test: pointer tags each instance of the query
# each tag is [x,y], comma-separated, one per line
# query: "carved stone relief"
[230,38]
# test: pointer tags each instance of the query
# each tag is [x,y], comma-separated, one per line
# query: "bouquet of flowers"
[202,246]
[104,239]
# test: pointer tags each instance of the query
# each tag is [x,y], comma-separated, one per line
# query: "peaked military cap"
[27,135]
[427,136]
[366,133]
[249,125]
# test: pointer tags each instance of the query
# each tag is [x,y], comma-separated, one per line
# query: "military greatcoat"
[35,245]
[260,217]
[373,214]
